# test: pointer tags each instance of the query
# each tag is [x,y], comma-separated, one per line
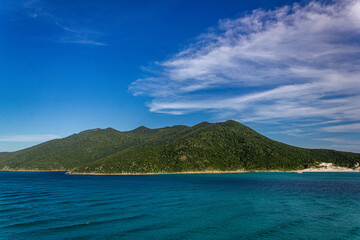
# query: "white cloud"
[295,62]
[340,147]
[28,138]
[354,127]
[340,140]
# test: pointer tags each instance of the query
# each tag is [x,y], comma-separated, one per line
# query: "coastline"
[210,172]
[330,169]
[323,167]
[156,173]
[30,170]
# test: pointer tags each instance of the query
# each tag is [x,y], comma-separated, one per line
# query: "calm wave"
[205,206]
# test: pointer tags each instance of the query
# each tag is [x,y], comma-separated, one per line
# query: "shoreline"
[30,170]
[215,172]
[195,172]
[156,173]
[329,167]
[323,167]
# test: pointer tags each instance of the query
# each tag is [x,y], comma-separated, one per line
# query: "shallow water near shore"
[53,205]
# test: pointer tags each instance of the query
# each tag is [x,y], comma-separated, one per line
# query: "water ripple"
[223,206]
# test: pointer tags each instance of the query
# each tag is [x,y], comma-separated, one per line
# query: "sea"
[54,205]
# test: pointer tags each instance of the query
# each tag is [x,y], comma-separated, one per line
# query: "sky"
[288,69]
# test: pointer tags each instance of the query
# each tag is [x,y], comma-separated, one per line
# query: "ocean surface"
[52,205]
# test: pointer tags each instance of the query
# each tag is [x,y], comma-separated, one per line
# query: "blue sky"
[290,70]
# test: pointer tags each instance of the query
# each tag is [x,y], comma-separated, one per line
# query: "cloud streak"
[72,33]
[292,63]
[28,138]
[343,128]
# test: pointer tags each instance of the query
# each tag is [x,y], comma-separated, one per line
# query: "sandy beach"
[159,173]
[323,167]
[329,167]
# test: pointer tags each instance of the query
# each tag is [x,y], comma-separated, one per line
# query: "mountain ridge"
[222,146]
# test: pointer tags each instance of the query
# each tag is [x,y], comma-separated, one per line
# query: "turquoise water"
[204,206]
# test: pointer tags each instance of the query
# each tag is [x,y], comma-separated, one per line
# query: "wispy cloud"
[82,41]
[295,62]
[341,147]
[28,138]
[292,132]
[354,127]
[341,144]
[340,140]
[72,32]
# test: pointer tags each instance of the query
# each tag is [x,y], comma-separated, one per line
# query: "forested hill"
[206,146]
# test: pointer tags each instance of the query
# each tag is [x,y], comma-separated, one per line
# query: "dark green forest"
[223,146]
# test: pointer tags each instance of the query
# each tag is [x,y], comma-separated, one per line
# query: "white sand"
[322,167]
[329,167]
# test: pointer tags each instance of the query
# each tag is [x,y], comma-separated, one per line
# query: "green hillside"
[69,152]
[4,155]
[206,146]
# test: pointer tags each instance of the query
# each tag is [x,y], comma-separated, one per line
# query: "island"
[204,148]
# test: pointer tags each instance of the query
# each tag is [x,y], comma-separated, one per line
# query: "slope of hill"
[206,146]
[4,155]
[66,153]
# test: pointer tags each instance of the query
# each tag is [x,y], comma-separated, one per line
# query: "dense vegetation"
[206,146]
[4,155]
